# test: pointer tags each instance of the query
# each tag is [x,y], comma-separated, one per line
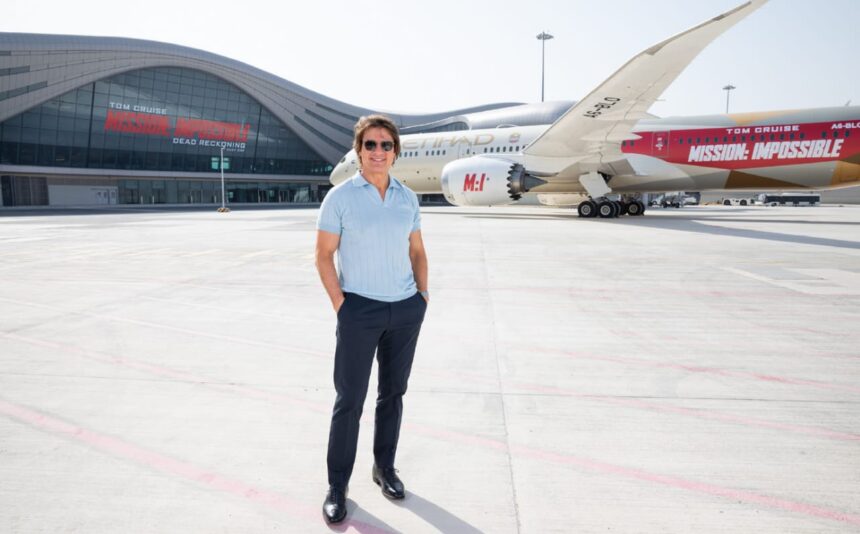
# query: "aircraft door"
[660,144]
[462,150]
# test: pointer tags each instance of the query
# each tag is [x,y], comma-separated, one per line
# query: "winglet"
[752,5]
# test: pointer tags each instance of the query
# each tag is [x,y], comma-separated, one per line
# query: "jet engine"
[483,181]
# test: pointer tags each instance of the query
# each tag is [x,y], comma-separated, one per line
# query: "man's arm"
[327,244]
[418,257]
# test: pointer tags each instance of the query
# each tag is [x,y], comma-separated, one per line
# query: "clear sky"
[427,56]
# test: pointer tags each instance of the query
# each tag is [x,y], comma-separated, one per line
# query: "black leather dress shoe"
[386,478]
[334,507]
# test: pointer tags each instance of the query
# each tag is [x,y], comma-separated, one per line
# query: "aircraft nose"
[343,169]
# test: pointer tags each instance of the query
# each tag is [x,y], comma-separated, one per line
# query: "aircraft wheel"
[587,209]
[635,208]
[606,210]
[625,207]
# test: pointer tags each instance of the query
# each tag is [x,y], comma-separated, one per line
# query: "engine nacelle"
[483,181]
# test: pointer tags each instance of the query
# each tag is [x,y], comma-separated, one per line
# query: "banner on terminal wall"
[230,136]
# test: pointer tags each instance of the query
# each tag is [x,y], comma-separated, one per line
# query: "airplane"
[607,145]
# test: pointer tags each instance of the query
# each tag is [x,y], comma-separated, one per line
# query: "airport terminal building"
[95,120]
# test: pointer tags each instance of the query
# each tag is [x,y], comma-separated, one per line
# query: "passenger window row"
[752,137]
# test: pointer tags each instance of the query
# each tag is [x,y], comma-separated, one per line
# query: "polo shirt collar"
[360,181]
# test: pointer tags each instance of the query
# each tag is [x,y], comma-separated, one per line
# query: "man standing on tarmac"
[379,293]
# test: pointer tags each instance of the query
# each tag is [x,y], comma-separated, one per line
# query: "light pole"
[728,90]
[223,198]
[543,37]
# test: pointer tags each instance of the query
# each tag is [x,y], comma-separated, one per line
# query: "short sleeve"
[329,218]
[416,218]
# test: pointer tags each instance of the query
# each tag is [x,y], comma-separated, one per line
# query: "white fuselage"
[707,153]
[422,156]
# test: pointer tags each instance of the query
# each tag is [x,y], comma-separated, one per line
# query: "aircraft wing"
[588,136]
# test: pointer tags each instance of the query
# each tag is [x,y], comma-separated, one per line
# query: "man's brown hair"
[375,121]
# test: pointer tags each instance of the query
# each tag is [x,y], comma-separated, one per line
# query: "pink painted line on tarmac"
[167,372]
[279,317]
[698,413]
[748,497]
[159,326]
[699,369]
[655,407]
[729,418]
[171,466]
[537,388]
[695,486]
[501,446]
[573,291]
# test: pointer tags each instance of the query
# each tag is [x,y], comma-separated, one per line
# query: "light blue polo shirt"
[373,254]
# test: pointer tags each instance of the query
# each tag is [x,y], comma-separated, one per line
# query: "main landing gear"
[610,209]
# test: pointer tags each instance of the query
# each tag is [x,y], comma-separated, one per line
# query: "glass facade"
[23,191]
[209,192]
[157,119]
[423,128]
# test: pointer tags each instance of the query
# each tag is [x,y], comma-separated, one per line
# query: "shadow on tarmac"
[778,221]
[718,216]
[360,520]
[435,516]
[515,216]
[697,225]
[443,521]
[696,222]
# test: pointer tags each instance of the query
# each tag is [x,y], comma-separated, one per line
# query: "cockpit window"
[343,159]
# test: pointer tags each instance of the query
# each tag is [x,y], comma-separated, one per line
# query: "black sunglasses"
[387,146]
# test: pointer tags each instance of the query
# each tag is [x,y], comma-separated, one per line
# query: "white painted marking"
[826,281]
[202,253]
[148,252]
[258,253]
